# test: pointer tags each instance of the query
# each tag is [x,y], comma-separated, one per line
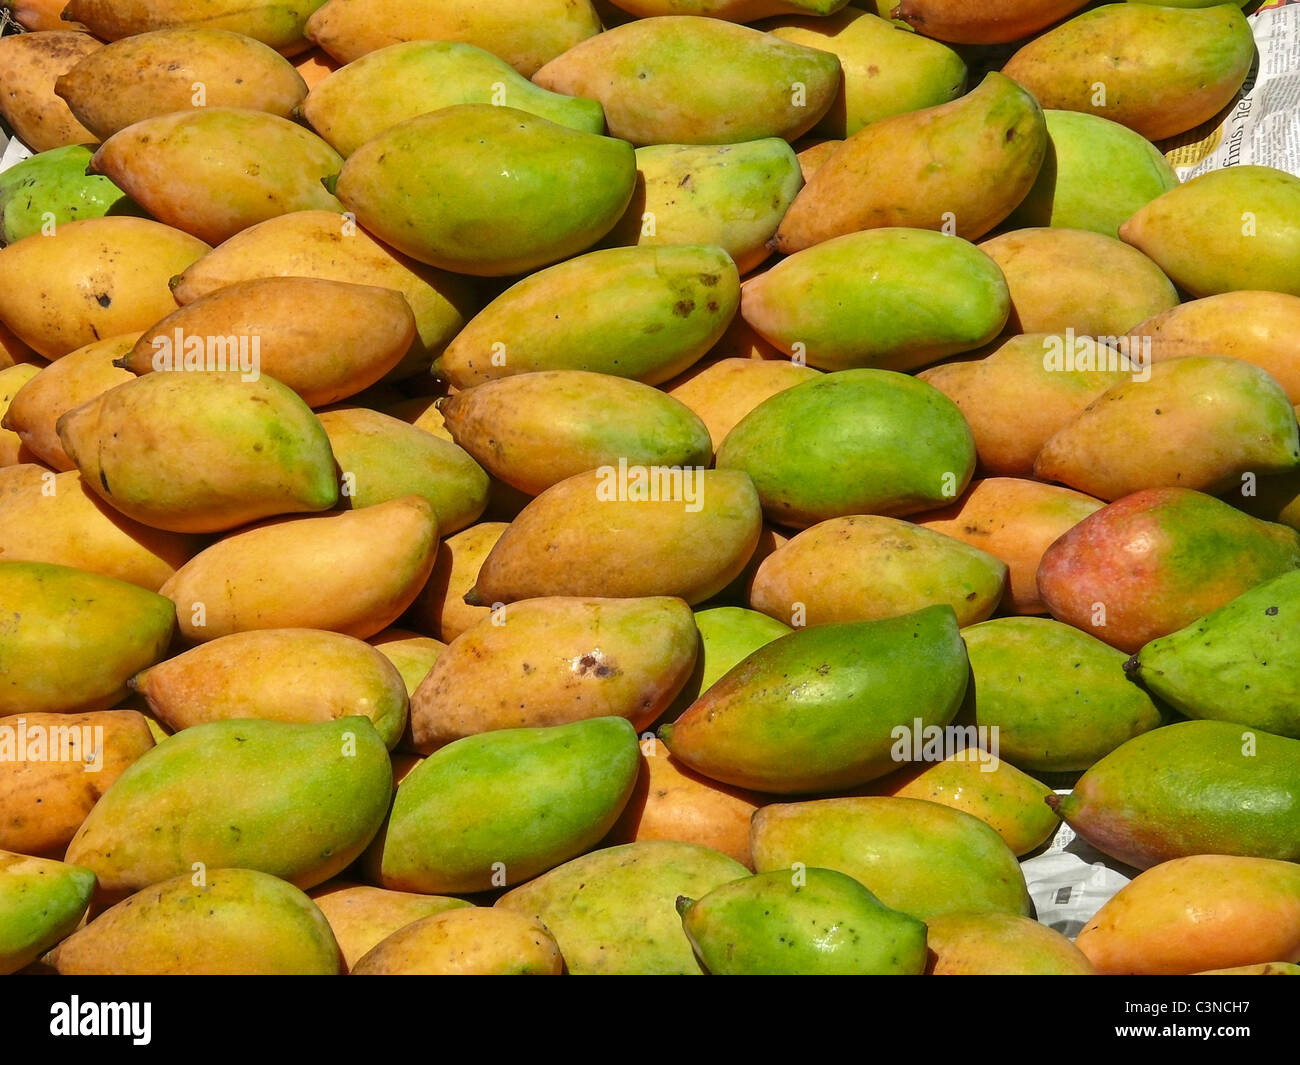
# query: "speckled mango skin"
[1000,944]
[277,23]
[479,941]
[41,901]
[362,916]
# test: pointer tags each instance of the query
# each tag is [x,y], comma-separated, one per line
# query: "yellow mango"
[30,64]
[413,655]
[13,351]
[278,23]
[12,380]
[361,917]
[478,941]
[441,608]
[723,392]
[41,15]
[1000,944]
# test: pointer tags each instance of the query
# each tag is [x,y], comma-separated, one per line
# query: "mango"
[410,653]
[298,801]
[1201,912]
[814,156]
[816,922]
[626,532]
[729,10]
[41,902]
[440,608]
[1155,561]
[488,191]
[1268,968]
[867,567]
[44,297]
[41,15]
[1249,215]
[30,64]
[70,639]
[1238,663]
[1158,70]
[1000,944]
[217,170]
[1197,787]
[362,917]
[960,167]
[731,196]
[918,857]
[52,188]
[722,393]
[614,911]
[354,572]
[466,942]
[315,65]
[177,69]
[13,352]
[818,709]
[890,299]
[728,635]
[13,379]
[557,660]
[992,22]
[277,23]
[854,442]
[229,922]
[646,75]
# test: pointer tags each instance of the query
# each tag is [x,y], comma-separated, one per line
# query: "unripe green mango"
[390,85]
[614,911]
[728,635]
[1249,215]
[729,195]
[814,922]
[891,299]
[228,922]
[818,709]
[1240,663]
[299,801]
[855,442]
[70,640]
[643,313]
[913,855]
[505,806]
[488,191]
[202,450]
[1198,787]
[1056,696]
[55,183]
[647,76]
[41,902]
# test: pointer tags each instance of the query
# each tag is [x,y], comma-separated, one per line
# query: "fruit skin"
[411,654]
[1205,911]
[361,917]
[488,191]
[1163,71]
[1219,667]
[721,393]
[13,379]
[991,22]
[41,902]
[29,65]
[853,442]
[55,183]
[729,10]
[728,635]
[277,23]
[1250,215]
[818,709]
[1000,944]
[1155,561]
[466,942]
[646,75]
[1268,968]
[915,856]
[1198,787]
[440,608]
[298,801]
[232,922]
[899,171]
[613,911]
[71,639]
[815,923]
[500,808]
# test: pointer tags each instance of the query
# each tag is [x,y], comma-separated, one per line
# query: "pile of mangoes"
[641,486]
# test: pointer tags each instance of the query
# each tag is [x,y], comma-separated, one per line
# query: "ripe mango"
[854,442]
[441,608]
[990,22]
[353,572]
[70,639]
[30,64]
[298,801]
[52,188]
[1157,560]
[729,10]
[41,902]
[728,635]
[646,75]
[12,381]
[1000,944]
[892,299]
[1197,787]
[722,393]
[555,660]
[960,167]
[915,856]
[614,910]
[1268,968]
[466,942]
[362,917]
[13,352]
[41,15]
[411,654]
[277,23]
[488,191]
[818,709]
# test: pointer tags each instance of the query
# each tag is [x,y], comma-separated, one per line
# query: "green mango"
[503,807]
[41,902]
[813,922]
[644,313]
[70,640]
[1095,176]
[1056,696]
[372,94]
[729,195]
[488,191]
[1240,663]
[819,709]
[914,855]
[53,187]
[728,635]
[854,442]
[1197,787]
[613,911]
[411,654]
[299,801]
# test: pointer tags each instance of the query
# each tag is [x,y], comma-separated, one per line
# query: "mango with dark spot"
[30,63]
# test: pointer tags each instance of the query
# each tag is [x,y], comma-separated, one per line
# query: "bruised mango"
[990,22]
[441,608]
[30,63]
[278,23]
[1000,944]
[723,392]
[466,942]
[41,902]
[361,917]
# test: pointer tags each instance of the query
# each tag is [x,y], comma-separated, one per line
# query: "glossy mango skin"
[277,23]
[41,902]
[478,941]
[55,183]
[723,392]
[362,916]
[992,22]
[1000,944]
